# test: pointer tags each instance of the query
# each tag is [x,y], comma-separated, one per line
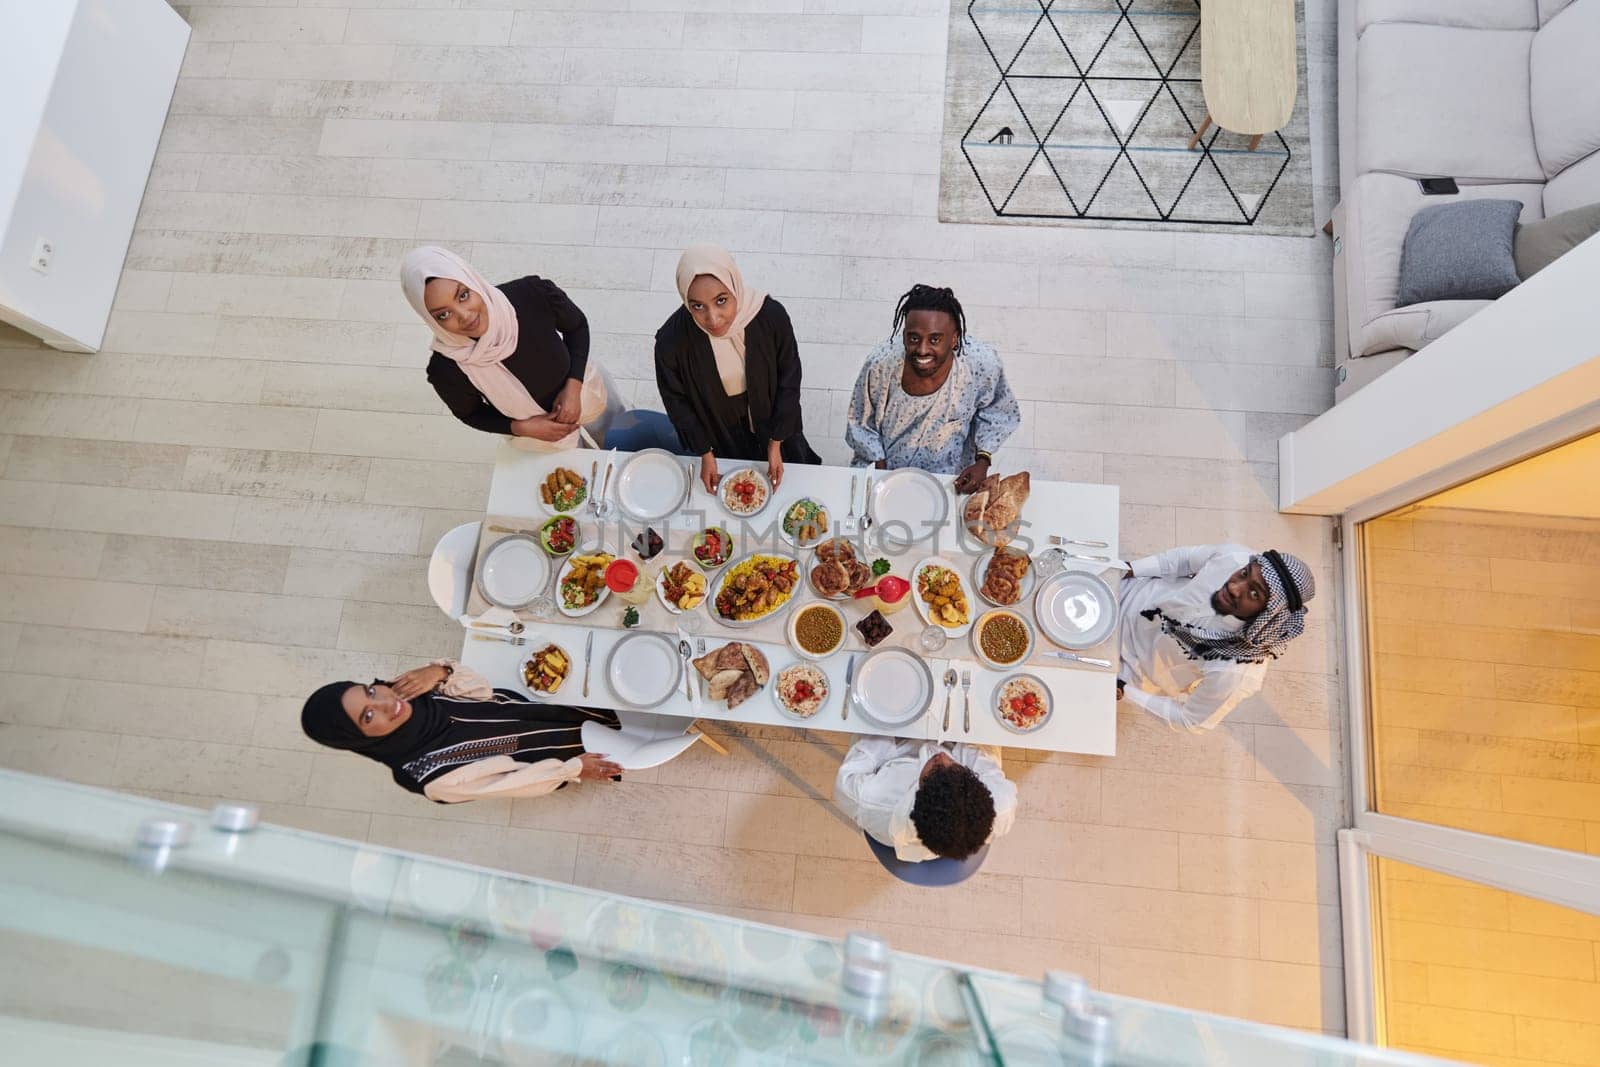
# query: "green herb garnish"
[880,567]
[630,618]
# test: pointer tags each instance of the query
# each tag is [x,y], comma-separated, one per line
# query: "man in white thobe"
[1199,625]
[925,799]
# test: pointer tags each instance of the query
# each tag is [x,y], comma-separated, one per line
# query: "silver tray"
[722,578]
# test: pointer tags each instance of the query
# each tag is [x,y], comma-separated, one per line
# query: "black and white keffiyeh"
[1290,585]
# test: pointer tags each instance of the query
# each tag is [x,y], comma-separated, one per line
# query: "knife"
[1075,658]
[849,676]
[510,530]
[588,651]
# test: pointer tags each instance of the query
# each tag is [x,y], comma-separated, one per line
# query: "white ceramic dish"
[1049,703]
[794,621]
[892,687]
[1075,609]
[650,485]
[661,590]
[540,694]
[922,606]
[739,624]
[977,648]
[791,538]
[727,481]
[907,506]
[784,709]
[513,571]
[566,569]
[811,565]
[644,669]
[551,509]
[1025,588]
[537,1021]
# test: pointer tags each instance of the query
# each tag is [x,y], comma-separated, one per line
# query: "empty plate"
[513,572]
[907,506]
[892,686]
[1075,609]
[644,669]
[650,484]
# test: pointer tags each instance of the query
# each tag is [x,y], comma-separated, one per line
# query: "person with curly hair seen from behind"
[924,799]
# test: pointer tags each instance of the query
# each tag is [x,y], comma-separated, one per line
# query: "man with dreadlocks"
[1199,625]
[932,397]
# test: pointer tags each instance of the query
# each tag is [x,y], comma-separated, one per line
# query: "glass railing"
[276,946]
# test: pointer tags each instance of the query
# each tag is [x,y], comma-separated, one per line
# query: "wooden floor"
[234,500]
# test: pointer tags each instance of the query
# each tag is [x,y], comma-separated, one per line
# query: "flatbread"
[743,689]
[722,683]
[757,662]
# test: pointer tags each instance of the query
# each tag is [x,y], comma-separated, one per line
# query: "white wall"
[94,78]
[1528,360]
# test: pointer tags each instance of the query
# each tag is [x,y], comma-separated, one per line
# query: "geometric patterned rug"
[1063,112]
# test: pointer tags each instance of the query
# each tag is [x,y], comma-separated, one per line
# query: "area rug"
[1079,112]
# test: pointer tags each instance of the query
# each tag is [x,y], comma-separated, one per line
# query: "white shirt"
[1191,694]
[877,785]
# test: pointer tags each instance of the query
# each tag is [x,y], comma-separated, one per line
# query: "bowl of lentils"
[1002,639]
[817,631]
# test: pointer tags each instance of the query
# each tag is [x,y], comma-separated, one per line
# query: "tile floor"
[233,501]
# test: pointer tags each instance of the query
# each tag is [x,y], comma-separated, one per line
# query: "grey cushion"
[1539,244]
[1459,251]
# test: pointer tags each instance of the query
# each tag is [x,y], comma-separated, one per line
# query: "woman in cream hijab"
[729,370]
[509,359]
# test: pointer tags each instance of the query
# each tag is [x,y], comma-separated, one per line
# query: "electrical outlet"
[43,252]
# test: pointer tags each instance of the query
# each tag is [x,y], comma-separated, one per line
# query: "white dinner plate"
[566,568]
[440,891]
[761,479]
[914,501]
[927,612]
[661,587]
[892,686]
[1024,588]
[1075,609]
[513,571]
[537,1021]
[575,467]
[644,669]
[650,484]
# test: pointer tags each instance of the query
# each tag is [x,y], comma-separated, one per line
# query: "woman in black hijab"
[446,733]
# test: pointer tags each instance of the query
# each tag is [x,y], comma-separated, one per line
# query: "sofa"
[1501,95]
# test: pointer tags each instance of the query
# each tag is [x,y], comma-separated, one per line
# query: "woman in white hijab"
[729,370]
[509,359]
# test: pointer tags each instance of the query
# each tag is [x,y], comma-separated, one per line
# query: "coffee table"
[1248,69]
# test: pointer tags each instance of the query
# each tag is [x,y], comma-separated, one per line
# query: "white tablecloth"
[1084,718]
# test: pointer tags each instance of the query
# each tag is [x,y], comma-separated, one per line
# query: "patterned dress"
[973,411]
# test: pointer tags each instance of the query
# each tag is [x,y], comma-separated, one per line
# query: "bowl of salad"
[559,535]
[712,547]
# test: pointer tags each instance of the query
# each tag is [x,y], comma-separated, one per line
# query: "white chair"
[450,569]
[645,740]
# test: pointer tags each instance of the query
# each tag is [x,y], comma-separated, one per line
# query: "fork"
[966,699]
[850,519]
[949,688]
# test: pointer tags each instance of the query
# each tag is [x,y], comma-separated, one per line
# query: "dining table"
[1084,516]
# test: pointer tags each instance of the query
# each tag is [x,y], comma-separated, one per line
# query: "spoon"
[949,689]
